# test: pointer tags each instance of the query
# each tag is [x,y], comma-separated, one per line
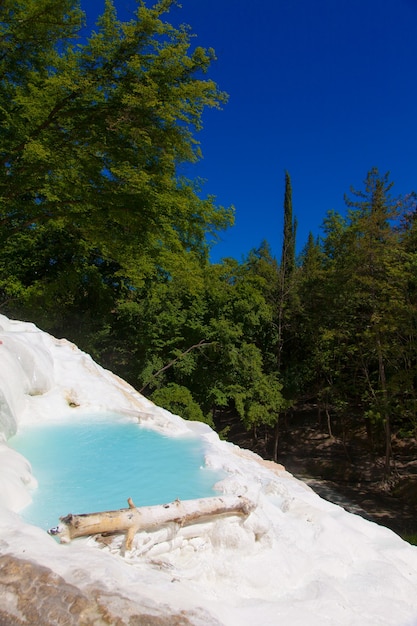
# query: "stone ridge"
[34,594]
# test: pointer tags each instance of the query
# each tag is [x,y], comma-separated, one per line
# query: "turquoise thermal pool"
[97,463]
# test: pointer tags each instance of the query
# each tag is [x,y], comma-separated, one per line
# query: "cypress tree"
[285,293]
[290,225]
[286,270]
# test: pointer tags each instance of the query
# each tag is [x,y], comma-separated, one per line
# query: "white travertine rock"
[296,559]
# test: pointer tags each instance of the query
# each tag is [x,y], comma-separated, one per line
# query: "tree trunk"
[276,441]
[386,415]
[136,519]
[370,436]
[329,422]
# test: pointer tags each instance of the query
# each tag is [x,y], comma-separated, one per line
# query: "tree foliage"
[359,320]
[93,134]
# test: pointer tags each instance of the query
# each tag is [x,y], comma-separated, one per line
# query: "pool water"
[96,464]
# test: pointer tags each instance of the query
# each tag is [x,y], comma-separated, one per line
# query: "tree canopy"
[94,132]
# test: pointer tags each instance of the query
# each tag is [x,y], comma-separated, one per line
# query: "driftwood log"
[145,518]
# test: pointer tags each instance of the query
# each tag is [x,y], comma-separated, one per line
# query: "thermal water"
[97,463]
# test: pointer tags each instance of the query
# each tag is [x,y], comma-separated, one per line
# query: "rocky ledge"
[34,594]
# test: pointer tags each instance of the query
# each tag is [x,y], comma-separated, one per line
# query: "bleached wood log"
[135,519]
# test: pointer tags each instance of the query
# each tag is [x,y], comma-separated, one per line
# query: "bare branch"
[201,343]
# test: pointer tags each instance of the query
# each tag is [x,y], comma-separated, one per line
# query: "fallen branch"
[136,519]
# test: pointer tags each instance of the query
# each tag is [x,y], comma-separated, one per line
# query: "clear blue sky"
[326,89]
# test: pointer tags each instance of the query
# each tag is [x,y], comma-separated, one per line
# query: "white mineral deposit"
[288,558]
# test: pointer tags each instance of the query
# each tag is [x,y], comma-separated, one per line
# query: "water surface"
[96,464]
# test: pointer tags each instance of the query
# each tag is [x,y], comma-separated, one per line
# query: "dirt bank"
[342,469]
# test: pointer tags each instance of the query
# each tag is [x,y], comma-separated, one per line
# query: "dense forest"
[105,242]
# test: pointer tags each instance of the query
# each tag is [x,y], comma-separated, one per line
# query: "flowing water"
[97,463]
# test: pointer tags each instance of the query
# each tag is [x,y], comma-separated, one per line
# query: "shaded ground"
[344,473]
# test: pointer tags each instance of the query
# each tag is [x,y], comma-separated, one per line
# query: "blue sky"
[325,89]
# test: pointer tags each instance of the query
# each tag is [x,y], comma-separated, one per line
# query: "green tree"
[309,317]
[406,377]
[245,337]
[201,342]
[286,272]
[290,229]
[380,286]
[360,310]
[61,282]
[93,135]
